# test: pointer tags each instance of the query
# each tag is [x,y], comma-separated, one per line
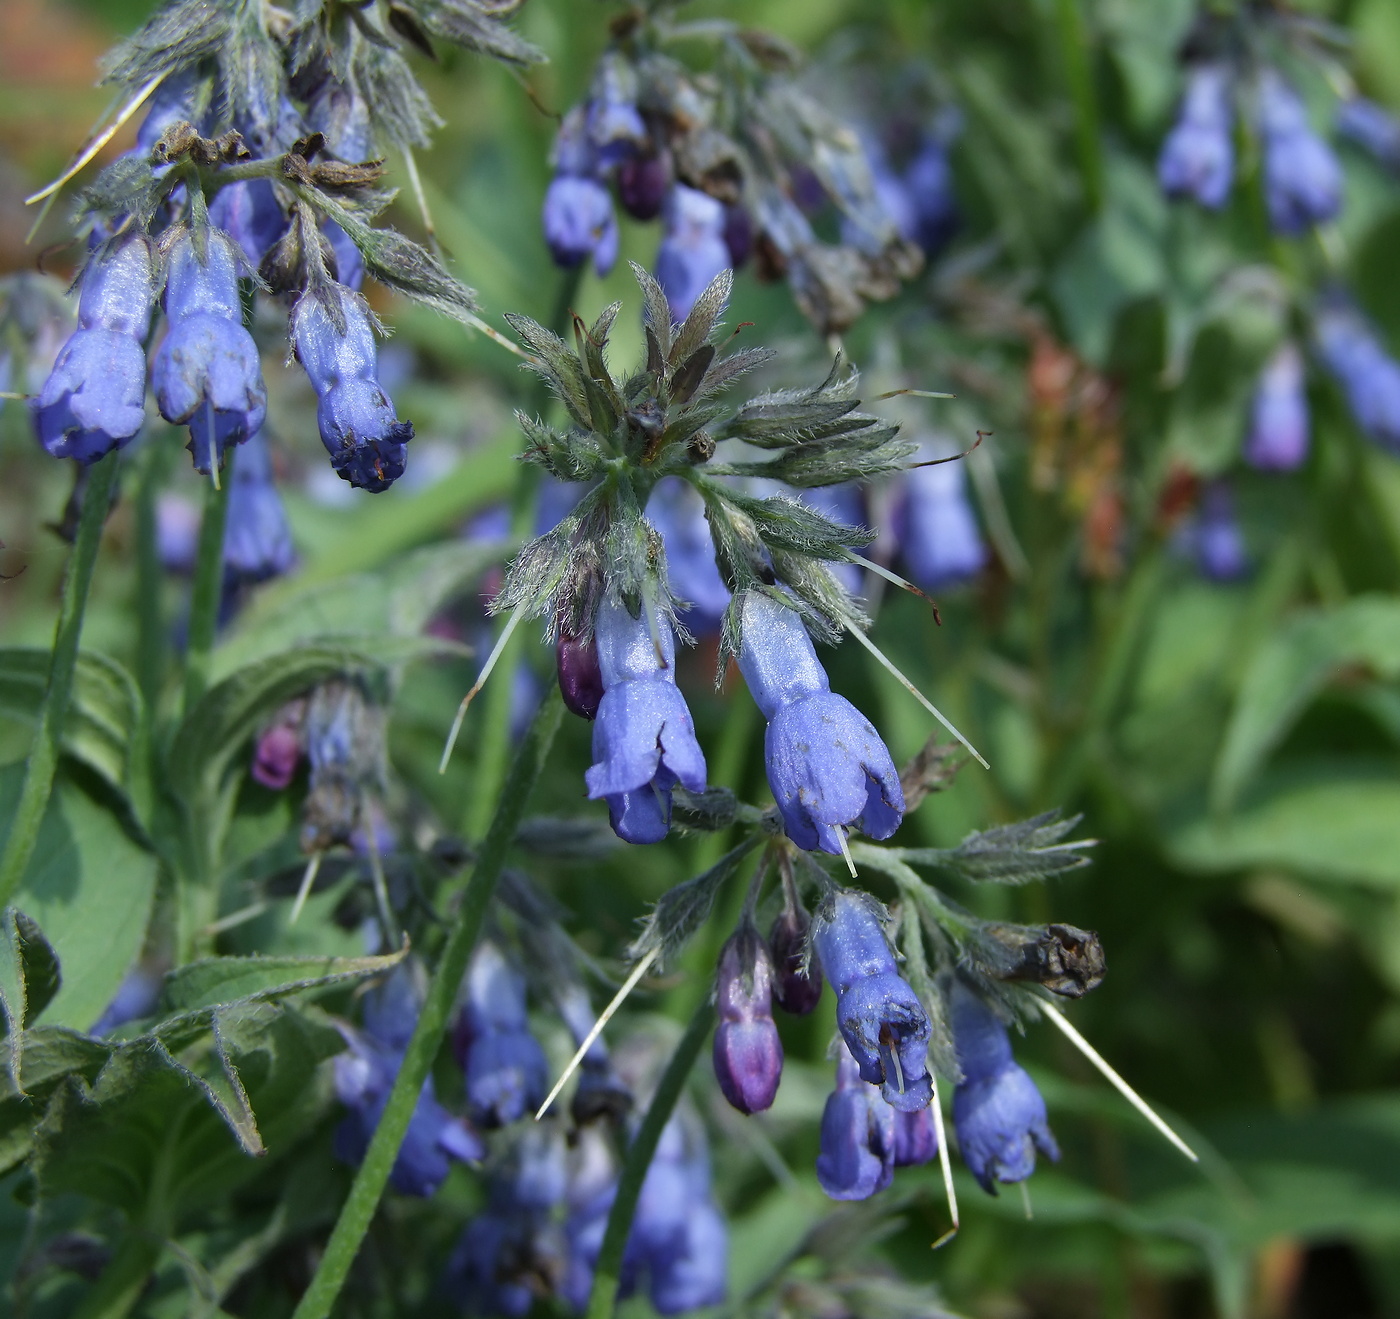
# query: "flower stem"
[1074,41]
[208,586]
[607,1275]
[43,751]
[373,1175]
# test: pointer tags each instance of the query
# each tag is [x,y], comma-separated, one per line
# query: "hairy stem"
[373,1175]
[208,586]
[606,1276]
[43,751]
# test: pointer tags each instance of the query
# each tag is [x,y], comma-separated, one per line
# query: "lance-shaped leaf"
[175,36]
[1012,853]
[476,25]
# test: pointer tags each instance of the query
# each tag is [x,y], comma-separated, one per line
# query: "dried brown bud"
[1065,959]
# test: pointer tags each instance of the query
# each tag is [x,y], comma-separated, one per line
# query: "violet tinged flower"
[643,181]
[794,990]
[998,1113]
[915,1138]
[257,536]
[643,739]
[505,1068]
[748,1054]
[856,1157]
[1278,417]
[333,337]
[928,183]
[1302,177]
[206,373]
[827,767]
[677,511]
[1220,551]
[1373,128]
[580,678]
[879,1015]
[276,757]
[693,250]
[1369,376]
[94,398]
[939,540]
[137,996]
[364,1075]
[1198,157]
[177,532]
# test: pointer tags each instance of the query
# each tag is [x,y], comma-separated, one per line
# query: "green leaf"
[29,976]
[1330,819]
[103,712]
[89,887]
[1312,649]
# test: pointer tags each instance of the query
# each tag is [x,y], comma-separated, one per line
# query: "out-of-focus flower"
[677,511]
[693,250]
[1369,376]
[578,214]
[748,1054]
[938,536]
[643,739]
[207,374]
[1220,551]
[879,1015]
[333,337]
[1198,157]
[505,1068]
[257,536]
[137,996]
[1372,127]
[998,1113]
[827,766]
[94,398]
[856,1158]
[1302,177]
[1278,418]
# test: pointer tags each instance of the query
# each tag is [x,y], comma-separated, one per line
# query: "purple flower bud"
[1302,178]
[747,1051]
[1373,128]
[1369,376]
[1198,157]
[94,398]
[579,222]
[580,678]
[1278,419]
[358,425]
[276,757]
[642,183]
[738,235]
[856,1158]
[1220,552]
[677,511]
[693,250]
[939,540]
[915,1138]
[643,739]
[206,373]
[257,536]
[506,1071]
[879,1015]
[827,766]
[998,1113]
[795,991]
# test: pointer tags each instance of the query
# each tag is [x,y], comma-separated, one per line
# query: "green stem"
[208,587]
[43,751]
[373,1175]
[639,1155]
[123,1281]
[1081,85]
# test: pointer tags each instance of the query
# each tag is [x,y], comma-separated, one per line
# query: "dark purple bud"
[998,1113]
[738,235]
[642,183]
[692,251]
[856,1158]
[1278,419]
[794,990]
[580,678]
[879,1015]
[915,1138]
[333,336]
[94,398]
[1198,156]
[748,1054]
[276,758]
[827,767]
[643,738]
[1302,176]
[207,374]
